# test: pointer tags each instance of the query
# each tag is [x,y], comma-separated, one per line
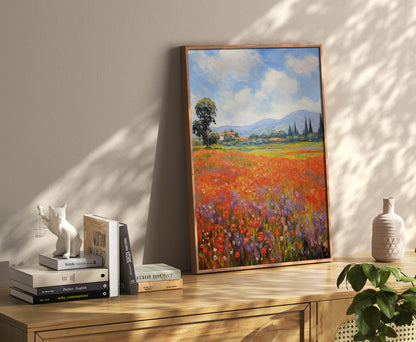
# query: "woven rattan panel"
[346,332]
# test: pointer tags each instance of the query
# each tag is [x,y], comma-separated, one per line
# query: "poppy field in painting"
[260,207]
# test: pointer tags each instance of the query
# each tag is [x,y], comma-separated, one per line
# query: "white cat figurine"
[69,242]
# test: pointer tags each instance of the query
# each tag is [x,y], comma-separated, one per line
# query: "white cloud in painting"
[275,99]
[243,106]
[276,84]
[227,65]
[237,102]
[303,66]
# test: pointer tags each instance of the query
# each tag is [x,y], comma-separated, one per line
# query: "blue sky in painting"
[248,85]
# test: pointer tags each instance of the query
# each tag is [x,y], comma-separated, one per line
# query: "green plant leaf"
[404,317]
[364,299]
[390,332]
[410,297]
[371,316]
[351,309]
[385,319]
[380,338]
[369,336]
[406,279]
[385,330]
[409,306]
[386,302]
[356,277]
[410,290]
[394,270]
[387,289]
[343,274]
[362,326]
[371,272]
[359,337]
[384,276]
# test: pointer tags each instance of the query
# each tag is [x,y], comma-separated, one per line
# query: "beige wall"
[91,111]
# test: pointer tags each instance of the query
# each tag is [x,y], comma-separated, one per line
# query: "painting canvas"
[255,133]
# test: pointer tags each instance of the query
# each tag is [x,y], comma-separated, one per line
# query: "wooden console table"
[297,303]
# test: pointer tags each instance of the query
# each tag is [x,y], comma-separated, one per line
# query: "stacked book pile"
[158,277]
[104,269]
[56,279]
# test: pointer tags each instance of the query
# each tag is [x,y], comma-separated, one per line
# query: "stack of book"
[158,277]
[104,269]
[56,279]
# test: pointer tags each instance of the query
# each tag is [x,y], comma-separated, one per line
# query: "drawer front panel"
[283,324]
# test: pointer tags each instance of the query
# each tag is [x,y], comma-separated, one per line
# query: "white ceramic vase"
[388,239]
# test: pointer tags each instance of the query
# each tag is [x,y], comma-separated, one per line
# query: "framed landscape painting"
[256,156]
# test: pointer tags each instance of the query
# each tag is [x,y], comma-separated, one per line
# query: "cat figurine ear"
[69,241]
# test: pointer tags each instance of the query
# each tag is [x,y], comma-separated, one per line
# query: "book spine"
[128,282]
[64,289]
[70,277]
[157,275]
[160,285]
[33,299]
[68,264]
[101,236]
[70,297]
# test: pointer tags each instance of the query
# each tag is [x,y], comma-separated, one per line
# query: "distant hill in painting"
[267,126]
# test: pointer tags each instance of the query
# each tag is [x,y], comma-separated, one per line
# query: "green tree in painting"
[321,127]
[305,130]
[213,138]
[206,112]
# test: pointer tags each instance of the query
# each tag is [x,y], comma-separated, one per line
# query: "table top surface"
[201,294]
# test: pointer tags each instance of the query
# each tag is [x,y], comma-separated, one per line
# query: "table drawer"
[280,323]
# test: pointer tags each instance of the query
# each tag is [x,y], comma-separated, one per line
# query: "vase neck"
[388,205]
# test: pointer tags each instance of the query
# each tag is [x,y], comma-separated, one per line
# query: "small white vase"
[388,239]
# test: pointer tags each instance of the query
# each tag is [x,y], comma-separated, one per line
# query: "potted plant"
[375,309]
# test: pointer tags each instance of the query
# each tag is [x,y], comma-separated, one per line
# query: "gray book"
[84,260]
[39,276]
[156,272]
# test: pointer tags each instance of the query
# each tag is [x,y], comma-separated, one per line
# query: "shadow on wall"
[167,237]
[113,181]
[370,82]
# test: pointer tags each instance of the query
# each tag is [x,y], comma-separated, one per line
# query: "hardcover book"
[33,299]
[40,276]
[84,260]
[156,272]
[62,289]
[128,282]
[101,237]
[149,286]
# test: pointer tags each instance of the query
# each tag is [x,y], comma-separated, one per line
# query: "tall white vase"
[388,238]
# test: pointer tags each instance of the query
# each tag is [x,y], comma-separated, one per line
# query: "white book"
[39,276]
[101,237]
[84,260]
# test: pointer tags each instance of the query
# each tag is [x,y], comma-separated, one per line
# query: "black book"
[33,299]
[60,289]
[128,284]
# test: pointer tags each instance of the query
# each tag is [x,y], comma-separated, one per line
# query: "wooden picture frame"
[256,156]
